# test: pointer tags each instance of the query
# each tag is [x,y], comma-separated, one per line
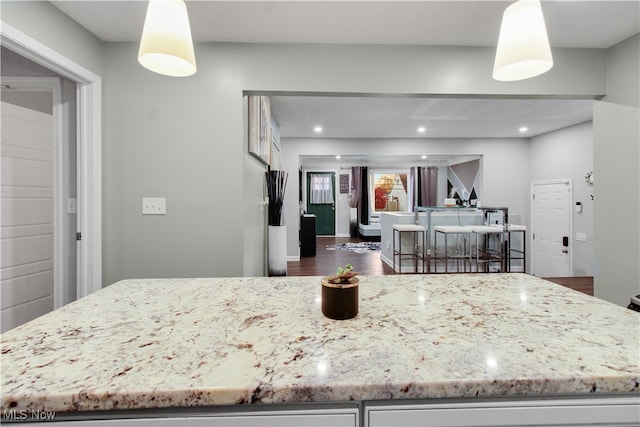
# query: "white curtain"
[321,188]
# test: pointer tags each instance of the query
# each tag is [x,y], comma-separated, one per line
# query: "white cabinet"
[328,417]
[610,412]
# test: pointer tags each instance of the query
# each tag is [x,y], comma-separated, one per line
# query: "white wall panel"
[26,269]
[26,288]
[24,250]
[26,240]
[28,173]
[14,151]
[27,211]
[35,129]
[17,315]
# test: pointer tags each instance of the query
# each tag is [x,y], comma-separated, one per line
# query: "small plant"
[343,275]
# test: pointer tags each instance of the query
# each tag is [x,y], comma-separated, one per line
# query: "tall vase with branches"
[276,185]
[277,259]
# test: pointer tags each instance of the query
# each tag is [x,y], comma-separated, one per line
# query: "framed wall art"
[260,128]
[344,183]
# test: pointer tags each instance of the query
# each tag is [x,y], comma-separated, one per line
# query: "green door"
[321,190]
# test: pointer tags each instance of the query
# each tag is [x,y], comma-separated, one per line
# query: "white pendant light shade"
[166,46]
[523,46]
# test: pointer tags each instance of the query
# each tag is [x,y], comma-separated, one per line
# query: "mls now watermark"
[31,415]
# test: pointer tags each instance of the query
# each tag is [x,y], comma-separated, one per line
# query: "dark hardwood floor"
[326,261]
[583,284]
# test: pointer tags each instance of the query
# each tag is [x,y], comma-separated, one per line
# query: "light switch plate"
[581,237]
[154,206]
[72,206]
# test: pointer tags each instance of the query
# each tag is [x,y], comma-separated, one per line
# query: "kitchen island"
[241,347]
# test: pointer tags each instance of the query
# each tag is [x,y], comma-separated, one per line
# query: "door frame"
[566,181]
[89,160]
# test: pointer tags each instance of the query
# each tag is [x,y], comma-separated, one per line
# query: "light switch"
[154,206]
[72,206]
[581,237]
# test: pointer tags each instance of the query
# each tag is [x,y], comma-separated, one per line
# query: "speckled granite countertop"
[185,342]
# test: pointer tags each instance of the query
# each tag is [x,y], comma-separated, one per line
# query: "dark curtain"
[355,186]
[412,190]
[419,186]
[363,202]
[427,186]
[300,186]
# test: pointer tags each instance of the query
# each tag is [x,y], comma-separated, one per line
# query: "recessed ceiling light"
[422,129]
[424,157]
[524,129]
[338,157]
[317,129]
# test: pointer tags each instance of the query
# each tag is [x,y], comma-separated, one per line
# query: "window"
[389,191]
[321,188]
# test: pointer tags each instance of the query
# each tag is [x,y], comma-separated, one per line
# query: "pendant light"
[166,46]
[523,46]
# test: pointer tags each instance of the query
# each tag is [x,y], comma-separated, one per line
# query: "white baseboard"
[293,258]
[343,235]
[386,260]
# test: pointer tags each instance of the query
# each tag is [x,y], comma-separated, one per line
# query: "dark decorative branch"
[276,184]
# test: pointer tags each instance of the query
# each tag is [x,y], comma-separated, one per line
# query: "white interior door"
[551,228]
[27,219]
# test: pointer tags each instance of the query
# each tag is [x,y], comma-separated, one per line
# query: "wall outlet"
[154,206]
[581,237]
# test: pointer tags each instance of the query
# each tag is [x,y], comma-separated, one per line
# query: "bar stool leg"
[446,253]
[393,250]
[524,251]
[400,252]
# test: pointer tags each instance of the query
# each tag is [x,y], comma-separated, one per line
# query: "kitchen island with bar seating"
[442,350]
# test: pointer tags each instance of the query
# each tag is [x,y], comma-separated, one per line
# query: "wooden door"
[325,212]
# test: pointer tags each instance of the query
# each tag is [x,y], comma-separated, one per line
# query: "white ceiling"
[570,23]
[367,117]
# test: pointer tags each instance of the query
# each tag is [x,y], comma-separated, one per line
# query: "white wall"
[47,24]
[184,138]
[616,123]
[505,168]
[568,153]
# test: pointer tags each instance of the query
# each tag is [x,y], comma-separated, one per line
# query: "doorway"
[551,228]
[39,177]
[321,201]
[88,95]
